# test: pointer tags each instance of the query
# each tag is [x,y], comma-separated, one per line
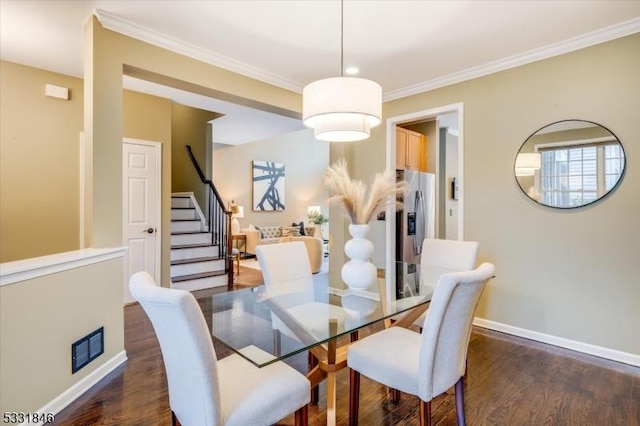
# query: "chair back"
[286,269]
[447,329]
[187,350]
[450,254]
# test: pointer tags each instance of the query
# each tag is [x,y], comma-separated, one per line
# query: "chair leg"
[394,395]
[425,413]
[174,419]
[277,341]
[302,416]
[315,392]
[354,396]
[460,401]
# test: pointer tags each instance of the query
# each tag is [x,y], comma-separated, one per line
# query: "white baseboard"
[586,348]
[74,392]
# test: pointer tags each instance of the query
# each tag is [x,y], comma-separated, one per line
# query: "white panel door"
[141,209]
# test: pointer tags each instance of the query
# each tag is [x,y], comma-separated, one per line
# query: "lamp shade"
[528,160]
[313,210]
[342,109]
[527,163]
[239,213]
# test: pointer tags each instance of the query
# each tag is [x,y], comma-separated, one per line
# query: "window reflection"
[580,162]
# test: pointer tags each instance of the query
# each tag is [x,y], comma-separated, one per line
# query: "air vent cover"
[87,349]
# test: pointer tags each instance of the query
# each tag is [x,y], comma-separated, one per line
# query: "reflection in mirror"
[569,164]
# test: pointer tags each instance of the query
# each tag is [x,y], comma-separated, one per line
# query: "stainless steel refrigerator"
[416,221]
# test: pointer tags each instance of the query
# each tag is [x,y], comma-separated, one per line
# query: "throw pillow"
[310,230]
[290,231]
[301,226]
[261,232]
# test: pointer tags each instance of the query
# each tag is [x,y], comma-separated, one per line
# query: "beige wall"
[39,320]
[39,159]
[571,274]
[305,160]
[189,127]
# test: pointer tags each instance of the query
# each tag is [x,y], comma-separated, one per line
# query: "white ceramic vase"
[359,273]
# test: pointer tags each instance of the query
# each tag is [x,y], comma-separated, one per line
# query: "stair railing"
[219,220]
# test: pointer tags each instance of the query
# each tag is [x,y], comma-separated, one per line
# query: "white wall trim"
[122,26]
[116,23]
[576,43]
[586,348]
[78,389]
[26,269]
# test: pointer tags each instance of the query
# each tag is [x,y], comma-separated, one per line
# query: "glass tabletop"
[268,324]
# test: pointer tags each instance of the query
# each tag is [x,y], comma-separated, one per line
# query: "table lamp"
[235,225]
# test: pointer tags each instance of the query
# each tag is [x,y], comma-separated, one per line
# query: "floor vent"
[87,349]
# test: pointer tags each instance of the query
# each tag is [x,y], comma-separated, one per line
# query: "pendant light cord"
[341,38]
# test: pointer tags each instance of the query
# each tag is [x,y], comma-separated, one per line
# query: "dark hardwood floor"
[510,381]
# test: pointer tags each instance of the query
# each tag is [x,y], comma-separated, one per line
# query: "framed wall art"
[268,186]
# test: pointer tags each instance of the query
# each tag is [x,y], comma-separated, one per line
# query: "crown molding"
[122,26]
[570,45]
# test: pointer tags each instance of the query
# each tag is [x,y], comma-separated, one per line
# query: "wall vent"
[87,349]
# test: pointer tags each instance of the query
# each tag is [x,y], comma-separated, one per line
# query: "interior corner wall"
[39,163]
[305,159]
[189,127]
[569,274]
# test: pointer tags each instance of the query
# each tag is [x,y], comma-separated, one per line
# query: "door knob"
[149,230]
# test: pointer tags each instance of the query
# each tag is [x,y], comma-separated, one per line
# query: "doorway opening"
[444,157]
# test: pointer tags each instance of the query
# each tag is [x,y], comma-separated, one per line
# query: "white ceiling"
[406,46]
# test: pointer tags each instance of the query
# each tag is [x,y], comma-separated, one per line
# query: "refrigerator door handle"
[420,209]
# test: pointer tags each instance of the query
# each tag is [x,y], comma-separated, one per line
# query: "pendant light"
[342,109]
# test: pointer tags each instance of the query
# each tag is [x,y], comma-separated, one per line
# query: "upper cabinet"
[411,150]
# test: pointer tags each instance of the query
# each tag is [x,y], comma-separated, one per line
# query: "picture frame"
[268,186]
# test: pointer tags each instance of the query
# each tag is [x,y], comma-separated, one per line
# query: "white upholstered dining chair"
[205,391]
[424,364]
[287,273]
[440,256]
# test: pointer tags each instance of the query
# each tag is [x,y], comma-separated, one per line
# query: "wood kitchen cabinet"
[411,150]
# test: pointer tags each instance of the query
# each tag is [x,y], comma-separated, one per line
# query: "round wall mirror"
[570,164]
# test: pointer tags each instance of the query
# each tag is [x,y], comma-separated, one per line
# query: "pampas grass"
[360,204]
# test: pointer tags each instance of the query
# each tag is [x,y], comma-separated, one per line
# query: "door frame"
[425,115]
[158,207]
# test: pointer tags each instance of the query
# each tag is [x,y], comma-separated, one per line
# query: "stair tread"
[185,220]
[189,232]
[189,246]
[183,208]
[195,260]
[201,275]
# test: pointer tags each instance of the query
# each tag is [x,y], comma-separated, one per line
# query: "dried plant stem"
[361,205]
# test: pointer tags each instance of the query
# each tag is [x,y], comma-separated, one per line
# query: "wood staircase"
[195,256]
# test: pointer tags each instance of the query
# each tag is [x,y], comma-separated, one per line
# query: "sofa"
[257,235]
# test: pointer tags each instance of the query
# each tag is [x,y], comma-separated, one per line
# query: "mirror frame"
[529,168]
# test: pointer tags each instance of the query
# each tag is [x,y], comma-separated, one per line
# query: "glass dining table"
[268,324]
